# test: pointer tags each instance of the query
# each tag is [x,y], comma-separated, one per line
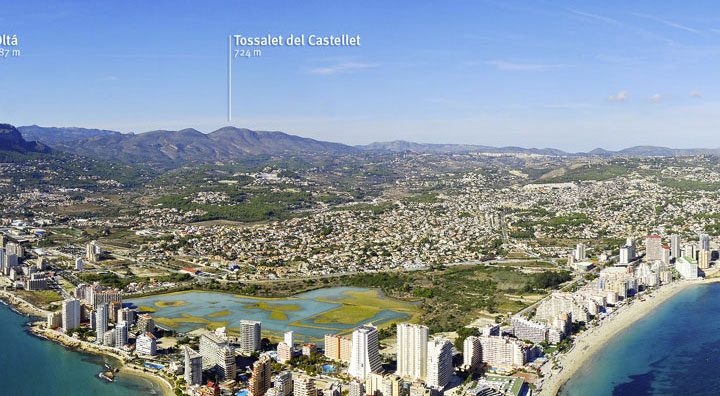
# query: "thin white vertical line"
[229,78]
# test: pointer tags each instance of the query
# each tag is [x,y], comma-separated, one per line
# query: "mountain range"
[229,143]
[12,140]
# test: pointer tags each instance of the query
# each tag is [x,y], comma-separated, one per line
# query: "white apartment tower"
[101,322]
[412,341]
[439,363]
[249,336]
[472,354]
[70,314]
[365,356]
[121,334]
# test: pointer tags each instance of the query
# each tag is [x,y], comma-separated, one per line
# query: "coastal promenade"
[592,340]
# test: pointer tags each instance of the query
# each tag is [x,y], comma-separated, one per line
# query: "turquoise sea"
[674,350]
[33,366]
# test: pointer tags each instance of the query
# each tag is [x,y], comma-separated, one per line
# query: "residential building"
[249,336]
[439,363]
[338,347]
[412,344]
[261,379]
[101,322]
[304,386]
[284,352]
[505,352]
[121,334]
[653,248]
[365,356]
[146,344]
[217,354]
[283,383]
[472,354]
[70,314]
[193,366]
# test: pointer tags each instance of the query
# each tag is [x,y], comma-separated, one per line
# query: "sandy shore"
[166,387]
[592,340]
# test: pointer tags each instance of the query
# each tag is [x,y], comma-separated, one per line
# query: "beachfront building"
[249,336]
[146,344]
[193,366]
[526,329]
[439,363]
[365,356]
[412,351]
[338,347]
[101,322]
[559,302]
[506,352]
[54,320]
[121,334]
[70,314]
[687,267]
[704,259]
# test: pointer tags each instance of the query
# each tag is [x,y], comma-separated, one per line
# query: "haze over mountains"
[228,143]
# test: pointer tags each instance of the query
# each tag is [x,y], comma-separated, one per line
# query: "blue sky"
[566,74]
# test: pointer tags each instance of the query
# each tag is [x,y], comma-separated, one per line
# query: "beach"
[589,342]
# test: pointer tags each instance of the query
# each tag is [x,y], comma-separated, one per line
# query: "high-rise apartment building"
[439,363]
[70,314]
[217,354]
[365,356]
[284,352]
[472,354]
[121,334]
[412,344]
[338,347]
[653,248]
[249,336]
[146,344]
[193,366]
[261,379]
[675,246]
[498,351]
[101,322]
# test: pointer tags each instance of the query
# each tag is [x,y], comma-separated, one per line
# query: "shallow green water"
[298,313]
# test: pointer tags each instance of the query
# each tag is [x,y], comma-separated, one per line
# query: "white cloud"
[342,67]
[619,97]
[657,98]
[505,65]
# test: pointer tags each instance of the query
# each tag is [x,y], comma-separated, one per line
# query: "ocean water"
[32,366]
[674,350]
